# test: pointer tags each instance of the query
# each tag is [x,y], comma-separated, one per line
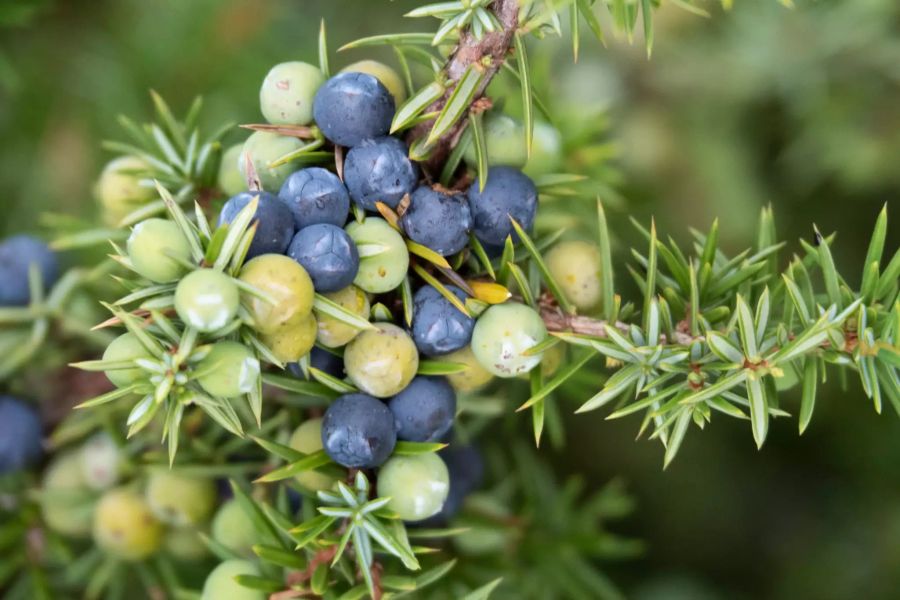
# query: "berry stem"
[489,53]
[556,320]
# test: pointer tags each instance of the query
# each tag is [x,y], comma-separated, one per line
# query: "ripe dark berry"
[508,193]
[424,411]
[388,77]
[315,195]
[379,170]
[437,220]
[328,255]
[327,362]
[275,224]
[20,435]
[16,255]
[352,107]
[466,468]
[438,327]
[358,431]
[322,360]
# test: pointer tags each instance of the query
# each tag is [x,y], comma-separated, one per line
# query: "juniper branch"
[488,54]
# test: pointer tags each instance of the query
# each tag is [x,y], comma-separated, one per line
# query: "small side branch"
[488,53]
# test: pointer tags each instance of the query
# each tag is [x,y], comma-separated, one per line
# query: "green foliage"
[706,332]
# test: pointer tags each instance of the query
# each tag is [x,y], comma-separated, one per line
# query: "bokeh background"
[798,108]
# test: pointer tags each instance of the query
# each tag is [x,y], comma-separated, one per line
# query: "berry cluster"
[364,263]
[372,285]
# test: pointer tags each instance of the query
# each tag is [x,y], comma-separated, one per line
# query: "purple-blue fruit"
[328,255]
[17,253]
[466,468]
[379,170]
[315,195]
[274,222]
[438,327]
[507,193]
[323,360]
[437,220]
[20,435]
[358,431]
[352,107]
[425,410]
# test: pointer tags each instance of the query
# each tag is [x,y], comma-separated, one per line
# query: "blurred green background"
[797,108]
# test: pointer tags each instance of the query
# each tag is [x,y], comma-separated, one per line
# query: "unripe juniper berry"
[328,255]
[417,485]
[17,253]
[504,138]
[379,170]
[315,195]
[157,249]
[307,438]
[287,93]
[508,193]
[437,220]
[230,179]
[381,272]
[262,149]
[424,411]
[333,332]
[358,431]
[125,527]
[67,504]
[232,528]
[352,107]
[503,334]
[438,327]
[290,344]
[286,283]
[206,299]
[220,583]
[20,435]
[381,361]
[273,218]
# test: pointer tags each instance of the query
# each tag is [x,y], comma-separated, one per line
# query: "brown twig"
[488,53]
[558,321]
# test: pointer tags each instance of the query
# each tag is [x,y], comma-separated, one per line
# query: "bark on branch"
[489,53]
[556,320]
